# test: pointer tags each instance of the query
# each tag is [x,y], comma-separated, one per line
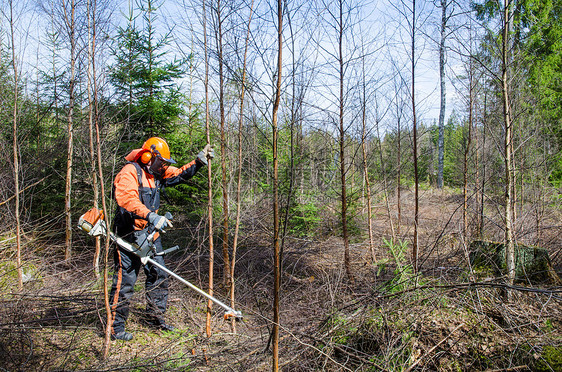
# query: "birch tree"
[443,33]
[15,147]
[507,17]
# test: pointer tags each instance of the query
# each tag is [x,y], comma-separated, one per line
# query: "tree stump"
[532,264]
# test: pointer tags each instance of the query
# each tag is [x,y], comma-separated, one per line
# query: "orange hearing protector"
[155,146]
[146,157]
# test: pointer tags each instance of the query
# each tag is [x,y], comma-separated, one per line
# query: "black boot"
[125,336]
[166,327]
[158,322]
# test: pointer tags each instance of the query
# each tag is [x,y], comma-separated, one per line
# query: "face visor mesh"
[158,166]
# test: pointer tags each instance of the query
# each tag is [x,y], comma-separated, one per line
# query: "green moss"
[343,330]
[548,326]
[550,359]
[178,362]
[9,275]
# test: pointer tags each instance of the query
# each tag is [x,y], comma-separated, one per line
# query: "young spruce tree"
[145,77]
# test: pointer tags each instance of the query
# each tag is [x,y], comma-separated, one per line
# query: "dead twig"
[22,190]
[413,365]
[518,368]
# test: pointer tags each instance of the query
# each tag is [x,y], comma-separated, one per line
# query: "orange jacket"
[127,188]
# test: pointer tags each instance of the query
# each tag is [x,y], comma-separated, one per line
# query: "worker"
[137,193]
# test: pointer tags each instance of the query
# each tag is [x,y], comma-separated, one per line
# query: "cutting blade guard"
[237,315]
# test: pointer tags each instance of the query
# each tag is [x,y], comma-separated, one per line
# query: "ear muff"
[146,157]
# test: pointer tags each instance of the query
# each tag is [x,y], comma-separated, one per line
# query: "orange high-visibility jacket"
[142,199]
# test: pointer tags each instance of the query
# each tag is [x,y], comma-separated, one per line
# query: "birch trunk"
[441,141]
[16,152]
[508,147]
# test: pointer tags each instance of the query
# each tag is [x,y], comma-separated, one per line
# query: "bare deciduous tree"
[507,19]
[93,114]
[209,174]
[364,153]
[239,172]
[219,19]
[276,253]
[415,246]
[70,22]
[342,52]
[444,4]
[15,147]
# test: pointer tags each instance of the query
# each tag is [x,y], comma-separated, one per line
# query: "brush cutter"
[93,223]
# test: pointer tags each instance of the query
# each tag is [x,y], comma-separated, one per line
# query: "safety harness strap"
[152,192]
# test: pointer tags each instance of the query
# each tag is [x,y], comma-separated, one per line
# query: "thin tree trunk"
[483,182]
[384,180]
[292,122]
[399,113]
[151,57]
[15,152]
[276,253]
[510,44]
[478,190]
[508,149]
[467,149]
[223,159]
[107,245]
[398,177]
[441,141]
[415,250]
[92,115]
[209,178]
[345,233]
[95,122]
[239,173]
[70,129]
[365,168]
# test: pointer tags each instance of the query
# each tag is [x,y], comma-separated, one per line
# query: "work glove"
[159,222]
[206,153]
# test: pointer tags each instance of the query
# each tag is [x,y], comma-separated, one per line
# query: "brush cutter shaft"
[230,311]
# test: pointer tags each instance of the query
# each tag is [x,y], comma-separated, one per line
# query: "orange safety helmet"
[156,147]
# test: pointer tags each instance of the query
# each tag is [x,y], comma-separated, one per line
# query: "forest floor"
[448,317]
